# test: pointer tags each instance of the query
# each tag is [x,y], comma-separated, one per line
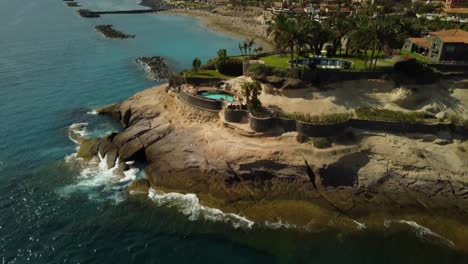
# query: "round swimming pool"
[217,95]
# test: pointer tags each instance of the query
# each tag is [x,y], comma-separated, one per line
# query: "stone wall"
[200,102]
[322,130]
[236,115]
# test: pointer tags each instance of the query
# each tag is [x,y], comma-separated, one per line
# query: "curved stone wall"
[201,102]
[236,115]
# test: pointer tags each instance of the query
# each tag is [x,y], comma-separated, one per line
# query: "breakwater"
[89,13]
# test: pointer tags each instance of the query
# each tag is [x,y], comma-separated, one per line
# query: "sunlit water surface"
[54,70]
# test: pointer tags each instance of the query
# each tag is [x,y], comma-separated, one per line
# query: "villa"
[441,46]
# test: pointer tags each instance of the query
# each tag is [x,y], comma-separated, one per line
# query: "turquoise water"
[218,96]
[54,69]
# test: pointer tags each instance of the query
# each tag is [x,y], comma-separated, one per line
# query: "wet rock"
[131,149]
[109,32]
[88,148]
[156,67]
[140,186]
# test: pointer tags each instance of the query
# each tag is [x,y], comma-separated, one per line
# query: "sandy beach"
[240,26]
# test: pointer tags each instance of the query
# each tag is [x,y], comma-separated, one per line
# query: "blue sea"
[55,69]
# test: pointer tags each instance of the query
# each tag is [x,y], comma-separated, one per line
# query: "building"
[441,46]
[456,3]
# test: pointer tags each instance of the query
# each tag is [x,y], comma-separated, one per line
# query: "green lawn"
[418,57]
[281,61]
[206,74]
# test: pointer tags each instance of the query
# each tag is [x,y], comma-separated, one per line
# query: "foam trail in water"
[189,204]
[92,112]
[421,231]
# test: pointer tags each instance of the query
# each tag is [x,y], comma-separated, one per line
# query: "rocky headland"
[109,32]
[361,180]
[155,66]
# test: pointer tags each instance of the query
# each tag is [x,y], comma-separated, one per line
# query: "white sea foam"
[279,224]
[92,112]
[421,231]
[360,225]
[189,205]
[78,129]
[95,178]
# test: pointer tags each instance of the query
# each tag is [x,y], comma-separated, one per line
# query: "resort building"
[456,3]
[447,46]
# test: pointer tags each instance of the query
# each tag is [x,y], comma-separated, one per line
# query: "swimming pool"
[322,62]
[217,96]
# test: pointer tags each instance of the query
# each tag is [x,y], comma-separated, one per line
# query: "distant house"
[456,3]
[441,46]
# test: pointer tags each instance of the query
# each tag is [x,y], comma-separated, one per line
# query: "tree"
[221,59]
[285,32]
[196,64]
[240,48]
[251,90]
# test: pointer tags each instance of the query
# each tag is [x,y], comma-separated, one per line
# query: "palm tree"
[241,50]
[250,44]
[284,31]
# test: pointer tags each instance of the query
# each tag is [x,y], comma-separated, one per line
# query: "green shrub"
[318,119]
[415,70]
[210,65]
[230,66]
[389,115]
[322,143]
[302,138]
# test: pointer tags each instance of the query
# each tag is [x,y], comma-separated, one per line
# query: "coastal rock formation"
[110,32]
[155,66]
[276,178]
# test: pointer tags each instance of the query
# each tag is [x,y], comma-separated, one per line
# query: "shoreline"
[224,24]
[266,178]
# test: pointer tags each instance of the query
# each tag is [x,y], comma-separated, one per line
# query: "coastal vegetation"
[251,91]
[196,64]
[318,119]
[390,115]
[110,32]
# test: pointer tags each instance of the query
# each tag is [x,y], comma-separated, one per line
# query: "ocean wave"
[77,131]
[92,112]
[421,231]
[279,225]
[95,177]
[189,205]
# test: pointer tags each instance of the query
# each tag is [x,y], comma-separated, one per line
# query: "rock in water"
[88,148]
[139,186]
[156,67]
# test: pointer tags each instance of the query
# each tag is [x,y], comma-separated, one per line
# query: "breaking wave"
[421,231]
[189,205]
[96,178]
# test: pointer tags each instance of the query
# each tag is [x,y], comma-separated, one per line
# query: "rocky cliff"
[364,176]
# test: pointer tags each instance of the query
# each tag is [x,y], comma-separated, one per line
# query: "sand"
[234,25]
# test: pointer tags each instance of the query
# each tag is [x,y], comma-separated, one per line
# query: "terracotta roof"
[422,42]
[452,35]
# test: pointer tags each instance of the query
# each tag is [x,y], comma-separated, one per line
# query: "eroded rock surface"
[276,178]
